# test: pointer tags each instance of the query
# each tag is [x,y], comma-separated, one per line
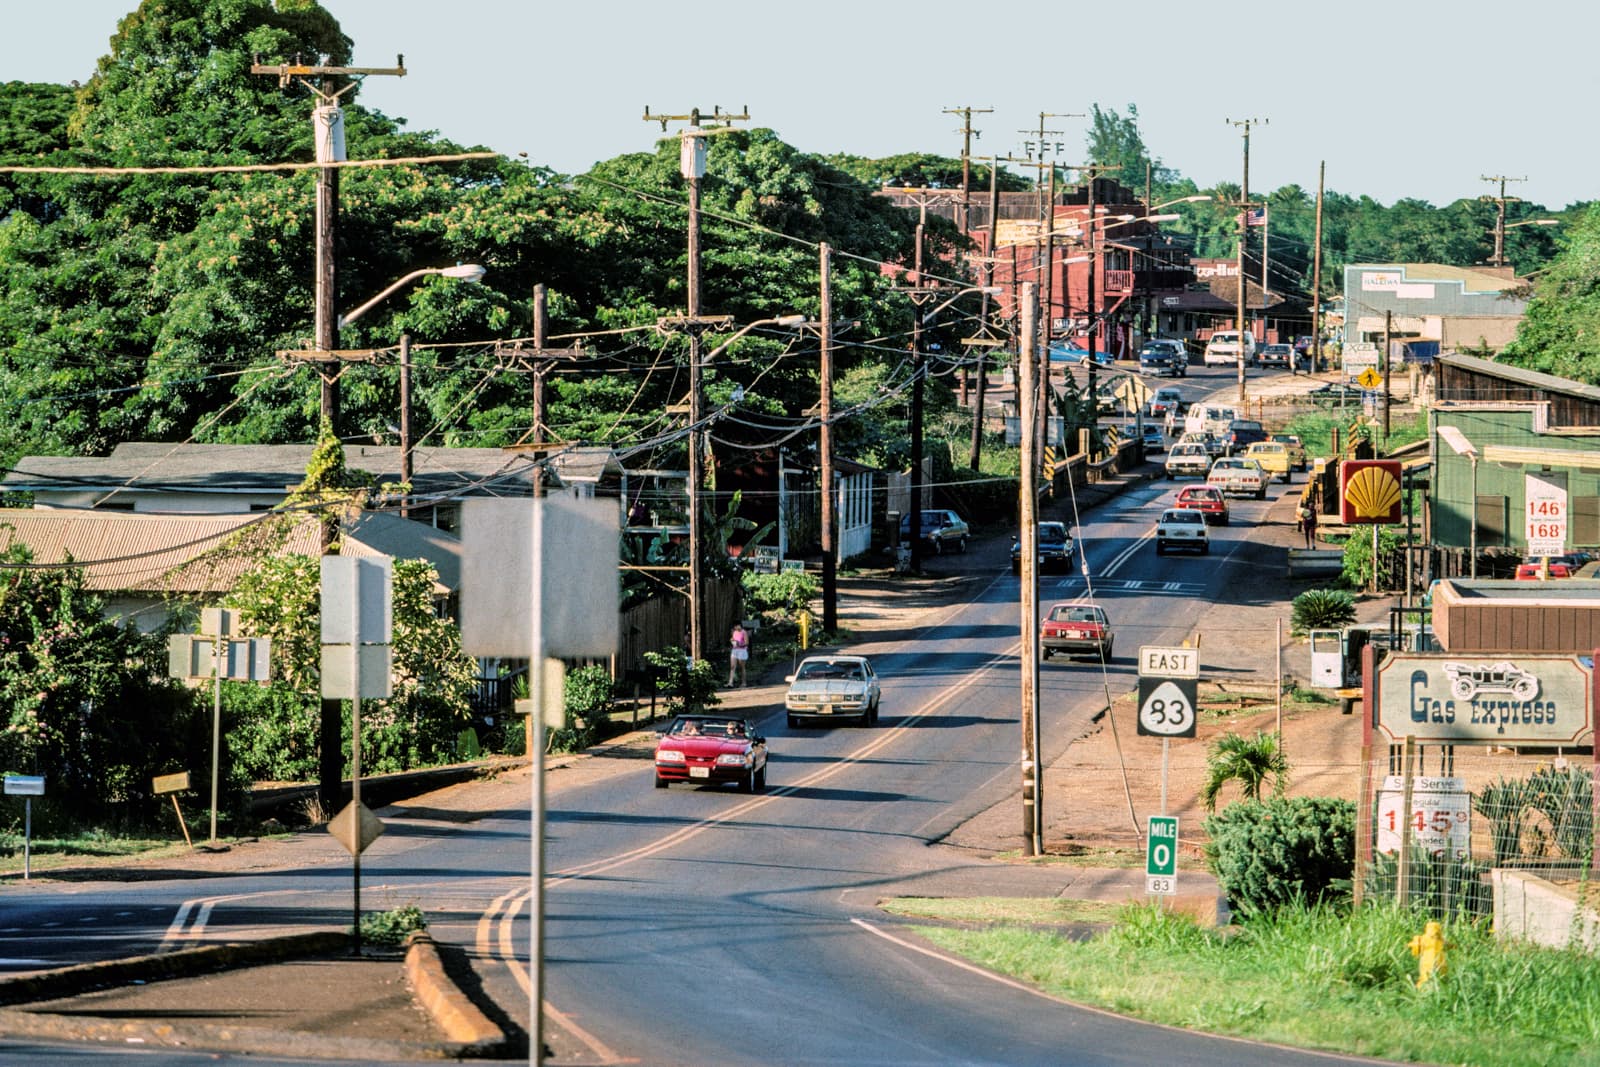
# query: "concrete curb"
[87,977]
[470,1032]
[461,1019]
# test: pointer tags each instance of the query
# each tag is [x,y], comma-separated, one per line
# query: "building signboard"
[1441,815]
[1546,497]
[1369,491]
[1522,700]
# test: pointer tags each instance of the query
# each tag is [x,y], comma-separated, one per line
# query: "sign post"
[1168,689]
[218,652]
[357,620]
[174,784]
[1161,856]
[27,787]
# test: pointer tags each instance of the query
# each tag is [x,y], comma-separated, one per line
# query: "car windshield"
[707,728]
[825,670]
[1199,494]
[1052,531]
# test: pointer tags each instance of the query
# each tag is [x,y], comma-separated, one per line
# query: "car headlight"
[669,755]
[733,759]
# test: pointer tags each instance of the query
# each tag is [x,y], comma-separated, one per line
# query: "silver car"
[831,687]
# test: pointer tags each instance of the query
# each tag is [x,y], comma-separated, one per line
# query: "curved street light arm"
[471,273]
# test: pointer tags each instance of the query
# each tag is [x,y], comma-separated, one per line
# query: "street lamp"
[471,273]
[1201,198]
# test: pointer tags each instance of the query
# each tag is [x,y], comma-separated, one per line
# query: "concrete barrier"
[1315,562]
[1529,908]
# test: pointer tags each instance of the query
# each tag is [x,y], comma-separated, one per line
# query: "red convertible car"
[712,748]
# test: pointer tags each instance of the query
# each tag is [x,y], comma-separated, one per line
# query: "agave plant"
[1248,760]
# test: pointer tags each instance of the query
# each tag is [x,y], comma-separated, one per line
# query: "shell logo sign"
[1369,491]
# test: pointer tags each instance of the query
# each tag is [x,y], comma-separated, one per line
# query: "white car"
[1184,530]
[1223,347]
[833,687]
[1188,459]
[1238,477]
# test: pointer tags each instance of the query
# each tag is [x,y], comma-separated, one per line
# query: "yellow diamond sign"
[1369,378]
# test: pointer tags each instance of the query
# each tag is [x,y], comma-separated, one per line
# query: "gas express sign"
[1526,700]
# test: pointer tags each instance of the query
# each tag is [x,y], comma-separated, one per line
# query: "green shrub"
[786,591]
[391,927]
[1358,558]
[980,498]
[1321,609]
[689,689]
[590,698]
[1285,850]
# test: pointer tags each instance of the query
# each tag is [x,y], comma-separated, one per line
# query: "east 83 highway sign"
[1167,689]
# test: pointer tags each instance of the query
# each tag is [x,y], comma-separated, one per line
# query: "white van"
[1210,418]
[1223,347]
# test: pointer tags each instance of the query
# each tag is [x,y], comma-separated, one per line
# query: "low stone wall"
[1529,908]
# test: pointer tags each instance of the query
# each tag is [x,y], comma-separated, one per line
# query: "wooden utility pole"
[1316,279]
[1500,202]
[988,283]
[1244,231]
[1027,501]
[407,442]
[967,134]
[1388,333]
[916,410]
[830,520]
[692,167]
[328,137]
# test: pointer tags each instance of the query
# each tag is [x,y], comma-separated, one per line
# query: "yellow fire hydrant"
[1429,948]
[805,629]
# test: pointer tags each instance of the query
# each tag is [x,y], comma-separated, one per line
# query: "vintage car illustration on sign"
[1468,680]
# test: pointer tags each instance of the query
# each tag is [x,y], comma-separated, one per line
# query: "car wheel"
[961,545]
[938,547]
[1205,549]
[661,783]
[1106,653]
[875,712]
[793,722]
[1016,568]
[749,783]
[1261,494]
[1161,549]
[1044,653]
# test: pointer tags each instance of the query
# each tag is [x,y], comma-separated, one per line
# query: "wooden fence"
[663,623]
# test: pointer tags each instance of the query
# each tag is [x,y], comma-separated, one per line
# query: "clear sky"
[1402,99]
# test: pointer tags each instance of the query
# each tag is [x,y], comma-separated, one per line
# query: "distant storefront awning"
[1541,457]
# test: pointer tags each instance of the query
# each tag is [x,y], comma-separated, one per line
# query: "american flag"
[1256,217]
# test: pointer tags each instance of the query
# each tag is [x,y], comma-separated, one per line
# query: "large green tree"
[1561,332]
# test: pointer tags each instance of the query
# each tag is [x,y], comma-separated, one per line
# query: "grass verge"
[1315,978]
[1025,910]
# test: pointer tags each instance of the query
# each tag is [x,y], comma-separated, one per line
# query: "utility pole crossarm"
[287,72]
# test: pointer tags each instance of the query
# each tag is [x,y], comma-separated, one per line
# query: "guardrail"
[1315,562]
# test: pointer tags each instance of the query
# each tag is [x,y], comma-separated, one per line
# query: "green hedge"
[1269,853]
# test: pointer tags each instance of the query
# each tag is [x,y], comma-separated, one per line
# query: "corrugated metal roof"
[1521,375]
[206,468]
[1472,279]
[137,553]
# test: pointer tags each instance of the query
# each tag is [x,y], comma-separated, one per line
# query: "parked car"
[1224,345]
[1076,629]
[941,530]
[1182,529]
[1242,433]
[1207,500]
[1055,548]
[833,687]
[1060,352]
[1297,450]
[1167,398]
[1190,460]
[1275,355]
[712,748]
[1238,476]
[1529,570]
[1164,357]
[1273,457]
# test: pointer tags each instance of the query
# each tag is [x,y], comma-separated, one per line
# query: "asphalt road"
[700,926]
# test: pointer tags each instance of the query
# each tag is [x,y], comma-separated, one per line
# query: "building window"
[1491,515]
